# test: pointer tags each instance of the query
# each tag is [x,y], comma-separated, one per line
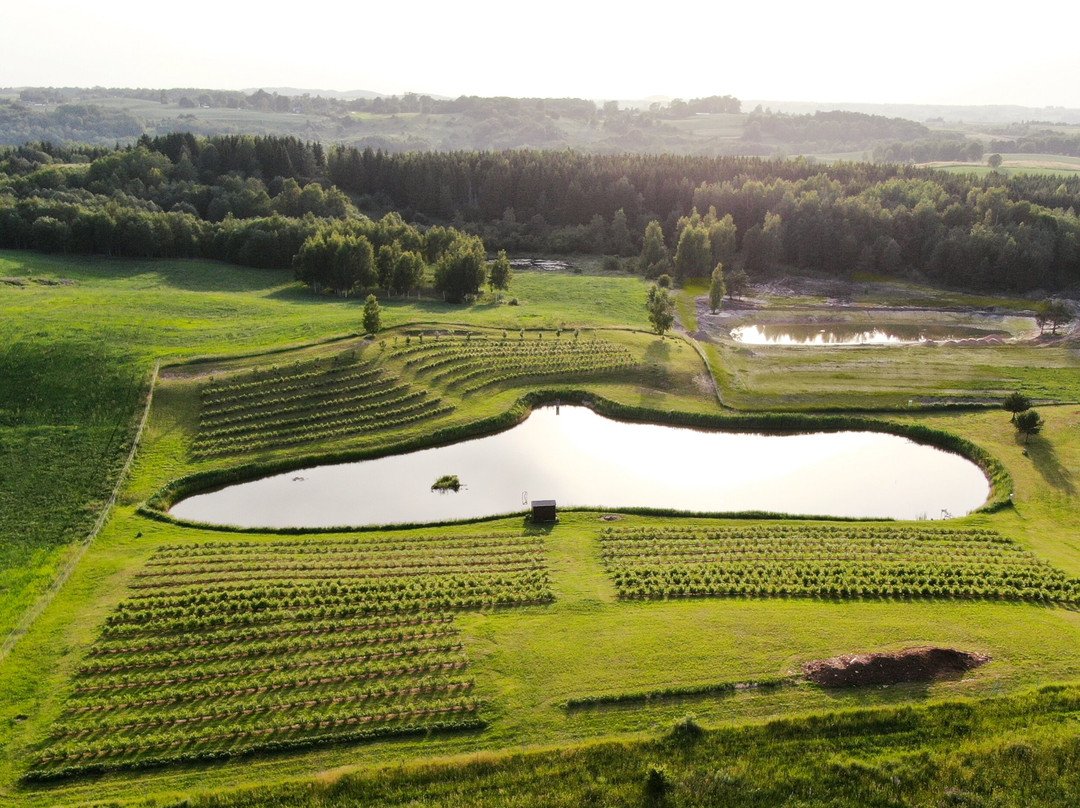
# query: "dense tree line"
[830,131]
[943,148]
[183,197]
[87,123]
[1046,141]
[258,200]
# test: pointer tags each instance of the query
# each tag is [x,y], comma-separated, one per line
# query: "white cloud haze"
[918,52]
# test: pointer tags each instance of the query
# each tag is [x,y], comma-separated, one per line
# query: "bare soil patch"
[921,664]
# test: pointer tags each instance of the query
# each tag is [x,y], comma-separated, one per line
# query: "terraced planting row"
[471,363]
[829,561]
[318,400]
[235,648]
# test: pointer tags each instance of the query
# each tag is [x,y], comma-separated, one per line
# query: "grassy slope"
[527,661]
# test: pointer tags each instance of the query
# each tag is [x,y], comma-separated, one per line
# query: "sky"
[918,52]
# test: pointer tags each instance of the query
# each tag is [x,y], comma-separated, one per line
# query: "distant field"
[719,125]
[1019,164]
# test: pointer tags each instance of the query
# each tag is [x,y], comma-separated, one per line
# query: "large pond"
[839,334]
[578,458]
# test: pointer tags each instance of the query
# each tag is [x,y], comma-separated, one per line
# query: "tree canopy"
[461,270]
[660,308]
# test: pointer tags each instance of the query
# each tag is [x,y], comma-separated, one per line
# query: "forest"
[254,201]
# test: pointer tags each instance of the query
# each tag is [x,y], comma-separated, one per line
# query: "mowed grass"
[892,377]
[189,308]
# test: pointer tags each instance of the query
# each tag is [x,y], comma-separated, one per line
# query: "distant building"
[543,510]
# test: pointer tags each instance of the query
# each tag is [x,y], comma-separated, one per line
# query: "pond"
[579,458]
[847,334]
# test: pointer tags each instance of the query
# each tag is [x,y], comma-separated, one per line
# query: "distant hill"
[713,126]
[985,114]
[349,95]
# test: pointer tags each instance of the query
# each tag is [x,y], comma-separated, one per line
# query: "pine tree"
[717,290]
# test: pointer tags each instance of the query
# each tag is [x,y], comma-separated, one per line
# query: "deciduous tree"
[500,273]
[693,256]
[737,282]
[654,254]
[1055,313]
[660,308]
[461,270]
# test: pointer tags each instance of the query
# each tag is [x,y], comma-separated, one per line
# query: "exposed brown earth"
[921,664]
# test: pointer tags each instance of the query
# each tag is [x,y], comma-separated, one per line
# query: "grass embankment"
[1007,752]
[1003,752]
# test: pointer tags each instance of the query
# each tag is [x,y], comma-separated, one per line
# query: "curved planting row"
[303,404]
[471,364]
[829,561]
[207,668]
[306,376]
[311,402]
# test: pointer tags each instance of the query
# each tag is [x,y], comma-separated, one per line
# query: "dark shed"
[543,510]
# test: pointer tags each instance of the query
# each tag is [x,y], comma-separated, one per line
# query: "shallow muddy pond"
[846,334]
[579,458]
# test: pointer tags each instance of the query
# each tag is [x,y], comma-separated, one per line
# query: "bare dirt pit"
[922,664]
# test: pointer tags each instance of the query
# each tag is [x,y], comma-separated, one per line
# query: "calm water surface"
[849,335]
[577,457]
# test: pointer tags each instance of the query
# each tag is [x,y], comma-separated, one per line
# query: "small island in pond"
[448,482]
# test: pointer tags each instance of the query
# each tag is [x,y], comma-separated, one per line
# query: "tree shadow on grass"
[1046,461]
[658,351]
[192,275]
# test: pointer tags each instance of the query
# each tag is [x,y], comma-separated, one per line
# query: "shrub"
[657,783]
[686,730]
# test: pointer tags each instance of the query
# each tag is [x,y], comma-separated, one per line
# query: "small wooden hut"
[543,510]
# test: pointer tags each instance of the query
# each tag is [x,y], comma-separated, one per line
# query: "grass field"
[150,595]
[1019,164]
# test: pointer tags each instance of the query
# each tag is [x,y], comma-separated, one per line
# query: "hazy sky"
[833,50]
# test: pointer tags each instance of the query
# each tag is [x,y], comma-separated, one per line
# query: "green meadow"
[83,336]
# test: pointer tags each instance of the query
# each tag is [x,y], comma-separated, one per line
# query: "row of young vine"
[471,364]
[192,667]
[312,401]
[829,561]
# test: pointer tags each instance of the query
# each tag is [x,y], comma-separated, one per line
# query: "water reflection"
[580,458]
[849,335]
